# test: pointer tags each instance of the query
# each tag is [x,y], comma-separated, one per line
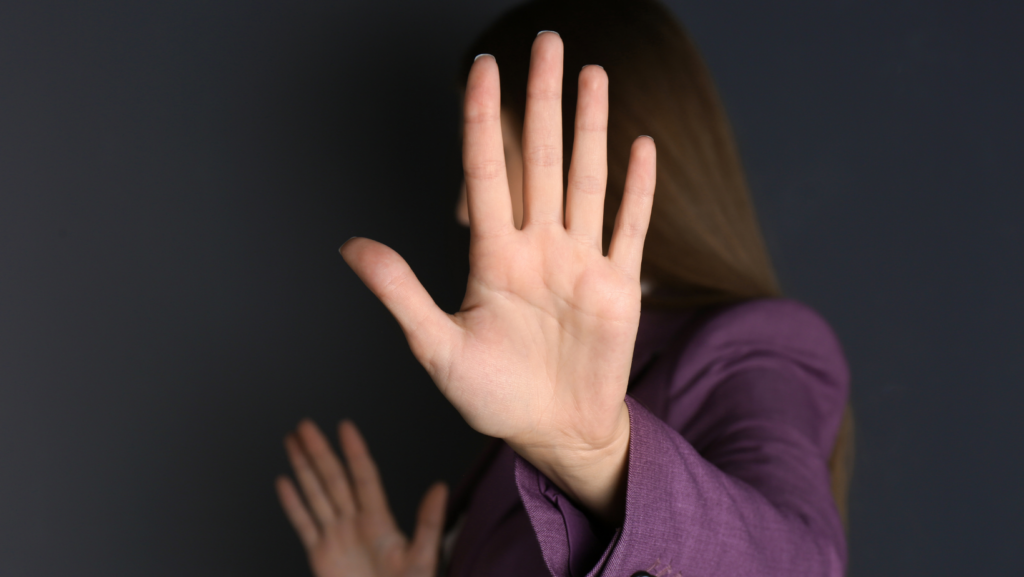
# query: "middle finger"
[312,489]
[328,468]
[542,133]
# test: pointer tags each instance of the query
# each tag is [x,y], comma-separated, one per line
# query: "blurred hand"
[539,354]
[342,516]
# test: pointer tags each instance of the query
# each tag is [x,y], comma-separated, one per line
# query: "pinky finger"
[426,541]
[627,246]
[296,511]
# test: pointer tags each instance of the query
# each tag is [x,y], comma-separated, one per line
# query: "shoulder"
[785,326]
[771,338]
[765,340]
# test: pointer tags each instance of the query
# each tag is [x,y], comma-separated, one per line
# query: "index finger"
[483,151]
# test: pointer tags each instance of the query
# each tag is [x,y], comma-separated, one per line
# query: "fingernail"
[598,65]
[479,55]
[344,243]
[551,31]
[645,136]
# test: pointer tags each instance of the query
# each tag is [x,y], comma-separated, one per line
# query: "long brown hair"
[704,246]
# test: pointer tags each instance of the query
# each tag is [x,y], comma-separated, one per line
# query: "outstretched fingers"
[627,244]
[430,332]
[483,153]
[542,133]
[588,173]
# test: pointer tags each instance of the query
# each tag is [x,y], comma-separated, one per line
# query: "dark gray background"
[176,177]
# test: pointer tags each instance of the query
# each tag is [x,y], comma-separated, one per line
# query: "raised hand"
[540,352]
[347,527]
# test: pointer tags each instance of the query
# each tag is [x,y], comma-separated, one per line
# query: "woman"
[717,461]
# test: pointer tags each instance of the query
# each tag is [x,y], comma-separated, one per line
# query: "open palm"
[539,353]
[342,514]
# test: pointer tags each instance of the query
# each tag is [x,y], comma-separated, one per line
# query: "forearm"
[685,511]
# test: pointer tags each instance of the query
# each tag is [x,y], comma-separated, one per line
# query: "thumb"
[426,540]
[427,328]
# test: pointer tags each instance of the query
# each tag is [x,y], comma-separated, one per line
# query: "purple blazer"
[733,415]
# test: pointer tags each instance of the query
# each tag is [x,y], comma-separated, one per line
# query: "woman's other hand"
[342,516]
[539,354]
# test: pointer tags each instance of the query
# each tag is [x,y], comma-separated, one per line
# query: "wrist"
[591,473]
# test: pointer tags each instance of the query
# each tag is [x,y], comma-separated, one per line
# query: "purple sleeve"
[755,499]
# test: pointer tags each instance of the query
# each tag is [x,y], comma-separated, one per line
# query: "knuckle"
[633,229]
[332,477]
[543,155]
[588,185]
[365,479]
[394,283]
[544,92]
[481,114]
[584,124]
[640,190]
[365,473]
[481,108]
[485,169]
